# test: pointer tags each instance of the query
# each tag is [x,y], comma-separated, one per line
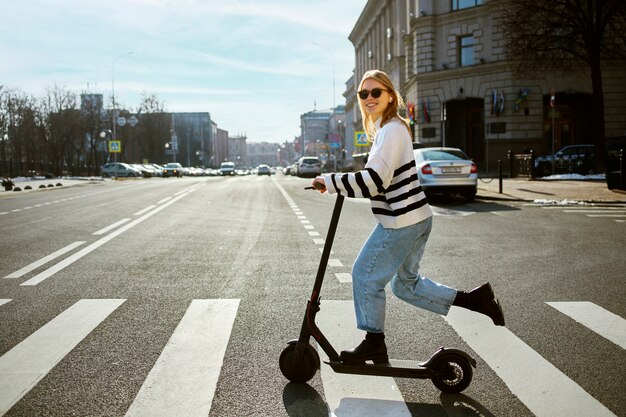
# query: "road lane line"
[22,367]
[95,245]
[44,260]
[334,262]
[142,211]
[344,277]
[605,215]
[110,227]
[4,300]
[354,395]
[542,387]
[603,322]
[184,378]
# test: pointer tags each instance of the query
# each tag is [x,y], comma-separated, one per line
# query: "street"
[175,297]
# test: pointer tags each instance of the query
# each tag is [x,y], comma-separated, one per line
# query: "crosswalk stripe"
[184,378]
[22,367]
[343,277]
[606,324]
[551,395]
[4,300]
[44,260]
[354,395]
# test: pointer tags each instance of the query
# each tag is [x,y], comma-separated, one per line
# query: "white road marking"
[44,260]
[314,233]
[110,227]
[184,378]
[95,245]
[22,367]
[343,277]
[4,300]
[318,241]
[552,395]
[606,324]
[334,262]
[142,211]
[354,395]
[605,215]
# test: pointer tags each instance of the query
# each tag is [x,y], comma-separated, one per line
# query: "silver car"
[446,171]
[119,169]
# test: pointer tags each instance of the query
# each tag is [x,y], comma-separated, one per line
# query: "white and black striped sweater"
[389,179]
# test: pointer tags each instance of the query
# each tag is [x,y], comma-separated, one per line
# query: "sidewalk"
[549,190]
[39,183]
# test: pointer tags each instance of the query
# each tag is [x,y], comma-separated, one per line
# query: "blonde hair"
[390,111]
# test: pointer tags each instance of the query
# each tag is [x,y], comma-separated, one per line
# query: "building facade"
[449,59]
[193,133]
[262,153]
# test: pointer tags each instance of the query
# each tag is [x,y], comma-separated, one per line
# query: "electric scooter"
[450,370]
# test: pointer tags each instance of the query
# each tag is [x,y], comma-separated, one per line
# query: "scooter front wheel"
[453,373]
[299,369]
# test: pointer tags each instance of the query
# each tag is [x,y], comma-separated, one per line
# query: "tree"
[559,34]
[154,128]
[59,123]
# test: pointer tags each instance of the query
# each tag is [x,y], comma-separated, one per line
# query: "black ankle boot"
[373,349]
[482,300]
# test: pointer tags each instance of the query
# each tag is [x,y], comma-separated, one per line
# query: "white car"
[308,166]
[446,171]
[227,168]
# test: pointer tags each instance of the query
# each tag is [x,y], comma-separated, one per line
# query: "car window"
[443,155]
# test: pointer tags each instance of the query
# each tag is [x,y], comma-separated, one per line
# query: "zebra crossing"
[184,378]
[617,213]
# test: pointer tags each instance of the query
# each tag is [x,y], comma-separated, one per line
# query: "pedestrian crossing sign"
[360,138]
[115,146]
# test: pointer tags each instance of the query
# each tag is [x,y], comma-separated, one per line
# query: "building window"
[465,4]
[466,50]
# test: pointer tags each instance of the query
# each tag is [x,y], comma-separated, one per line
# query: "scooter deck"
[395,368]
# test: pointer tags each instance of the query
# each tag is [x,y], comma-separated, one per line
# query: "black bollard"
[500,175]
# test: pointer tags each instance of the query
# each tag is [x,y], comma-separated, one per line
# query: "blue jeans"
[394,255]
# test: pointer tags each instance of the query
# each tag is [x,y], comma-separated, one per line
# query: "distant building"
[323,135]
[237,150]
[193,132]
[262,153]
[220,148]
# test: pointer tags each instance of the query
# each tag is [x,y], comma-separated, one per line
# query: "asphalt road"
[176,297]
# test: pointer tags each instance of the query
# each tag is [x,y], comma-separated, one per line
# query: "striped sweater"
[389,179]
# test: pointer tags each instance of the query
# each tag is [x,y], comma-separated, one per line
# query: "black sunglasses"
[376,92]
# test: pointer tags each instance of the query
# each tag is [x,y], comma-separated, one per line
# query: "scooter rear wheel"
[453,373]
[299,370]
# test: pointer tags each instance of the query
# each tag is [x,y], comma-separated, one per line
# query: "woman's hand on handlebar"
[319,184]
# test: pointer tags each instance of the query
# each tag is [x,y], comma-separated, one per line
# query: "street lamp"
[113,92]
[103,135]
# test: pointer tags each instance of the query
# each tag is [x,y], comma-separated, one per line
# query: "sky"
[255,66]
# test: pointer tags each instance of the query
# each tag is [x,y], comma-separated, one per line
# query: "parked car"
[227,168]
[308,166]
[119,169]
[446,171]
[578,159]
[173,169]
[264,170]
[145,172]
